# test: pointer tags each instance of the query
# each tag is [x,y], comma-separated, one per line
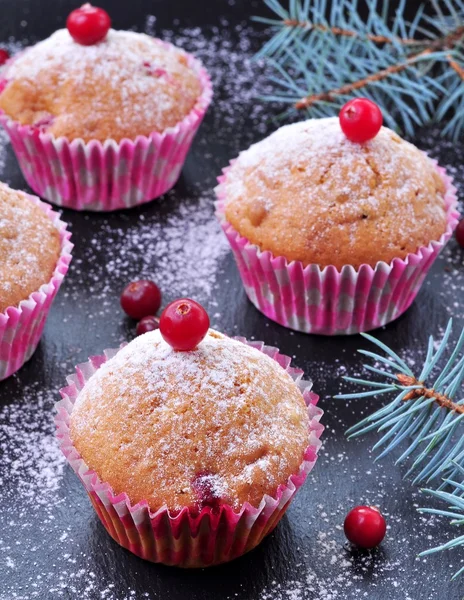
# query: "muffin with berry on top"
[191,431]
[110,115]
[334,222]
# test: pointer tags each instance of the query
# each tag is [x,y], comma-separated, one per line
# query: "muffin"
[215,440]
[34,257]
[102,126]
[333,236]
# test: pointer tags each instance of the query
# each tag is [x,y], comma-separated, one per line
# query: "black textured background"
[59,549]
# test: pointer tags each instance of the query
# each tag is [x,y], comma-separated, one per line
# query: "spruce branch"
[456,66]
[428,419]
[446,42]
[323,55]
[378,39]
[455,511]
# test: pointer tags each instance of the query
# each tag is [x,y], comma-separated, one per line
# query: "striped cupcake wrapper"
[184,538]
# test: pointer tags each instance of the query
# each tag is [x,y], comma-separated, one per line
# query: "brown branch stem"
[378,39]
[424,392]
[456,66]
[448,41]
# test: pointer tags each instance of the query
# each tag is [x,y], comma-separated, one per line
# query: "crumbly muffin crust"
[29,247]
[221,424]
[129,84]
[309,194]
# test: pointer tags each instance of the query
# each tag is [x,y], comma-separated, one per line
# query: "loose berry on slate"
[460,233]
[183,324]
[88,24]
[4,56]
[147,324]
[360,120]
[365,527]
[141,299]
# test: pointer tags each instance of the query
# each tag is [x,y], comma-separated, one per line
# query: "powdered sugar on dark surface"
[52,545]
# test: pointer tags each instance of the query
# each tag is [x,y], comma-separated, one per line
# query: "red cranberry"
[4,56]
[141,299]
[88,24]
[460,233]
[365,527]
[184,323]
[360,120]
[147,324]
[203,484]
[44,123]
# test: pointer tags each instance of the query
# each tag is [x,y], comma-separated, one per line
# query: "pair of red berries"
[183,324]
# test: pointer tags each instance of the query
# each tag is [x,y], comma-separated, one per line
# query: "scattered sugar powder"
[55,559]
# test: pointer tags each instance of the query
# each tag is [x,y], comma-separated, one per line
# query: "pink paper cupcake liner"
[329,301]
[184,538]
[21,326]
[106,176]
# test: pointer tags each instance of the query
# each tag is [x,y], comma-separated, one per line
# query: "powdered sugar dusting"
[309,194]
[134,82]
[29,247]
[336,165]
[190,421]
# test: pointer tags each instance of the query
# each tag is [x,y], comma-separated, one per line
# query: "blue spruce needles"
[323,54]
[427,419]
[455,501]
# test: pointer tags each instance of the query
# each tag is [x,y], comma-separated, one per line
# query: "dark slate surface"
[51,543]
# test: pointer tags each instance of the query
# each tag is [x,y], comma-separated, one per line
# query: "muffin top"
[29,247]
[222,424]
[129,84]
[309,194]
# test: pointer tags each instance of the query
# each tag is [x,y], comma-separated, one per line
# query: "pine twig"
[448,41]
[322,54]
[377,39]
[349,88]
[454,65]
[429,416]
[420,390]
[454,511]
[428,419]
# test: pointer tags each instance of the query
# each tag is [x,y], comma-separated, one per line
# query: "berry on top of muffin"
[29,247]
[309,194]
[126,85]
[220,424]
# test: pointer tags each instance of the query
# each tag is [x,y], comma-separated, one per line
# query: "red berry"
[147,324]
[360,120]
[88,24]
[205,486]
[4,56]
[365,527]
[141,299]
[460,233]
[183,324]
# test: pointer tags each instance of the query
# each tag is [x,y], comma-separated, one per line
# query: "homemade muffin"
[29,247]
[309,194]
[222,424]
[127,85]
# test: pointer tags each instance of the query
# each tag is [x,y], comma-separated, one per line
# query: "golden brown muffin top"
[29,247]
[221,424]
[309,194]
[129,84]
